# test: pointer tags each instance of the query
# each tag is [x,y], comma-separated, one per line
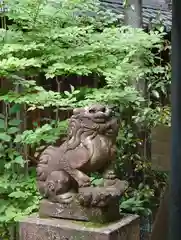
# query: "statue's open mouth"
[101,117]
[99,120]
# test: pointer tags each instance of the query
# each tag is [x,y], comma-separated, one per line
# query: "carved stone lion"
[90,147]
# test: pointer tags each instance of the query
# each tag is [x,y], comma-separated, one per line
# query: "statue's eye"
[103,109]
[92,110]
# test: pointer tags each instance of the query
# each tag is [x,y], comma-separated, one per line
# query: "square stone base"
[35,228]
[74,211]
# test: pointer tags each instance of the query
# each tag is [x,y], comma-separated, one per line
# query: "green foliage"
[67,38]
[17,191]
[22,196]
[48,133]
[96,179]
[51,38]
[9,126]
[19,198]
[138,202]
[145,184]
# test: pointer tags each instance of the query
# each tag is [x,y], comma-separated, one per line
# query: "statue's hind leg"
[82,179]
[60,186]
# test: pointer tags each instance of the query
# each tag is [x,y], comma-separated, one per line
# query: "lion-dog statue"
[90,147]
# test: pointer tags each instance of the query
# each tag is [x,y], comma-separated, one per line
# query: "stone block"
[35,228]
[74,211]
[93,204]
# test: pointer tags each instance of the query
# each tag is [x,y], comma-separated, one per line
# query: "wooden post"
[175,180]
[133,13]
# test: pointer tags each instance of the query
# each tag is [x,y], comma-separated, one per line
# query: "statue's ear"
[76,111]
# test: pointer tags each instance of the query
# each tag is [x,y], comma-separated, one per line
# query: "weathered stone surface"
[95,204]
[90,147]
[161,148]
[76,212]
[35,228]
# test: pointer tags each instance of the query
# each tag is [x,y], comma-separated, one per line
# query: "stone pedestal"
[35,228]
[74,211]
[93,204]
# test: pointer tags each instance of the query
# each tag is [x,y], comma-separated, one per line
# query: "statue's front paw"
[65,198]
[84,183]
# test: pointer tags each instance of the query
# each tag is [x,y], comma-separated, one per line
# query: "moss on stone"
[92,224]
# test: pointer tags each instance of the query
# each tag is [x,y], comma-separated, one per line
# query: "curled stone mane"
[74,133]
[77,128]
[87,122]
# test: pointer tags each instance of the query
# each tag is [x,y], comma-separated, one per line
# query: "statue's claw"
[110,175]
[65,198]
[84,183]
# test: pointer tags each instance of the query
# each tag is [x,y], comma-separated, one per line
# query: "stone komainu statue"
[90,147]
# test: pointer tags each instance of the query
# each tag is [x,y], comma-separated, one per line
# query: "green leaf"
[67,93]
[5,137]
[4,219]
[18,194]
[97,182]
[8,165]
[19,160]
[2,116]
[12,130]
[18,138]
[156,94]
[72,88]
[10,212]
[2,124]
[14,122]
[20,216]
[3,205]
[35,124]
[15,108]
